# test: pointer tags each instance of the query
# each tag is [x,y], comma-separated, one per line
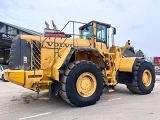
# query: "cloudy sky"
[136,20]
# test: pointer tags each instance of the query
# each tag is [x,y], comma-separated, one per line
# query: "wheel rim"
[147,78]
[86,84]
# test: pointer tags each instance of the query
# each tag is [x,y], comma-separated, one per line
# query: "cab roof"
[102,23]
[93,21]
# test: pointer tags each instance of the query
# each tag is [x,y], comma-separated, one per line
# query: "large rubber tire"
[3,79]
[137,85]
[69,90]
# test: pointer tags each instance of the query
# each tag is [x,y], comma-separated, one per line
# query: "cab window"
[101,33]
[87,32]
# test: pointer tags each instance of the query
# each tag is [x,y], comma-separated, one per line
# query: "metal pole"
[73,33]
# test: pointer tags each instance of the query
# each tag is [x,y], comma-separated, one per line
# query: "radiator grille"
[36,55]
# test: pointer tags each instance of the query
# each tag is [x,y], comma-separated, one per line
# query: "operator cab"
[98,30]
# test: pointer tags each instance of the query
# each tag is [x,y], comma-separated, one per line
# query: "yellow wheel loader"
[77,67]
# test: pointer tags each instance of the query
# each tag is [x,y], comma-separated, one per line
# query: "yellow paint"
[147,78]
[32,77]
[126,64]
[46,58]
[27,79]
[15,76]
[112,59]
[127,45]
[48,42]
[54,52]
[57,63]
[86,84]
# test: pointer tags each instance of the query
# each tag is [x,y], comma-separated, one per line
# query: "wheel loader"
[77,67]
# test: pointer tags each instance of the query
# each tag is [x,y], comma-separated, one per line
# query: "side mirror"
[114,31]
[1,68]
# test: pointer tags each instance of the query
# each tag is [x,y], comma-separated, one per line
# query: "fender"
[56,64]
[126,64]
[63,59]
[94,50]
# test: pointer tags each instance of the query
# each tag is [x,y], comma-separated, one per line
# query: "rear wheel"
[143,78]
[81,84]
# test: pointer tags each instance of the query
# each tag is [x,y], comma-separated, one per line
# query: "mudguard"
[126,64]
[62,60]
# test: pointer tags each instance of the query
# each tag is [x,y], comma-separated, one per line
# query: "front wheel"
[3,79]
[143,78]
[82,83]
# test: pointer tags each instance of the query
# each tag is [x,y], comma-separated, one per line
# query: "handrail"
[66,25]
[59,32]
[66,37]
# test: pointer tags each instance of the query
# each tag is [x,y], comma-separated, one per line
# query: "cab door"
[101,36]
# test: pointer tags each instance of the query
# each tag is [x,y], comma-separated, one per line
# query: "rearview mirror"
[114,31]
